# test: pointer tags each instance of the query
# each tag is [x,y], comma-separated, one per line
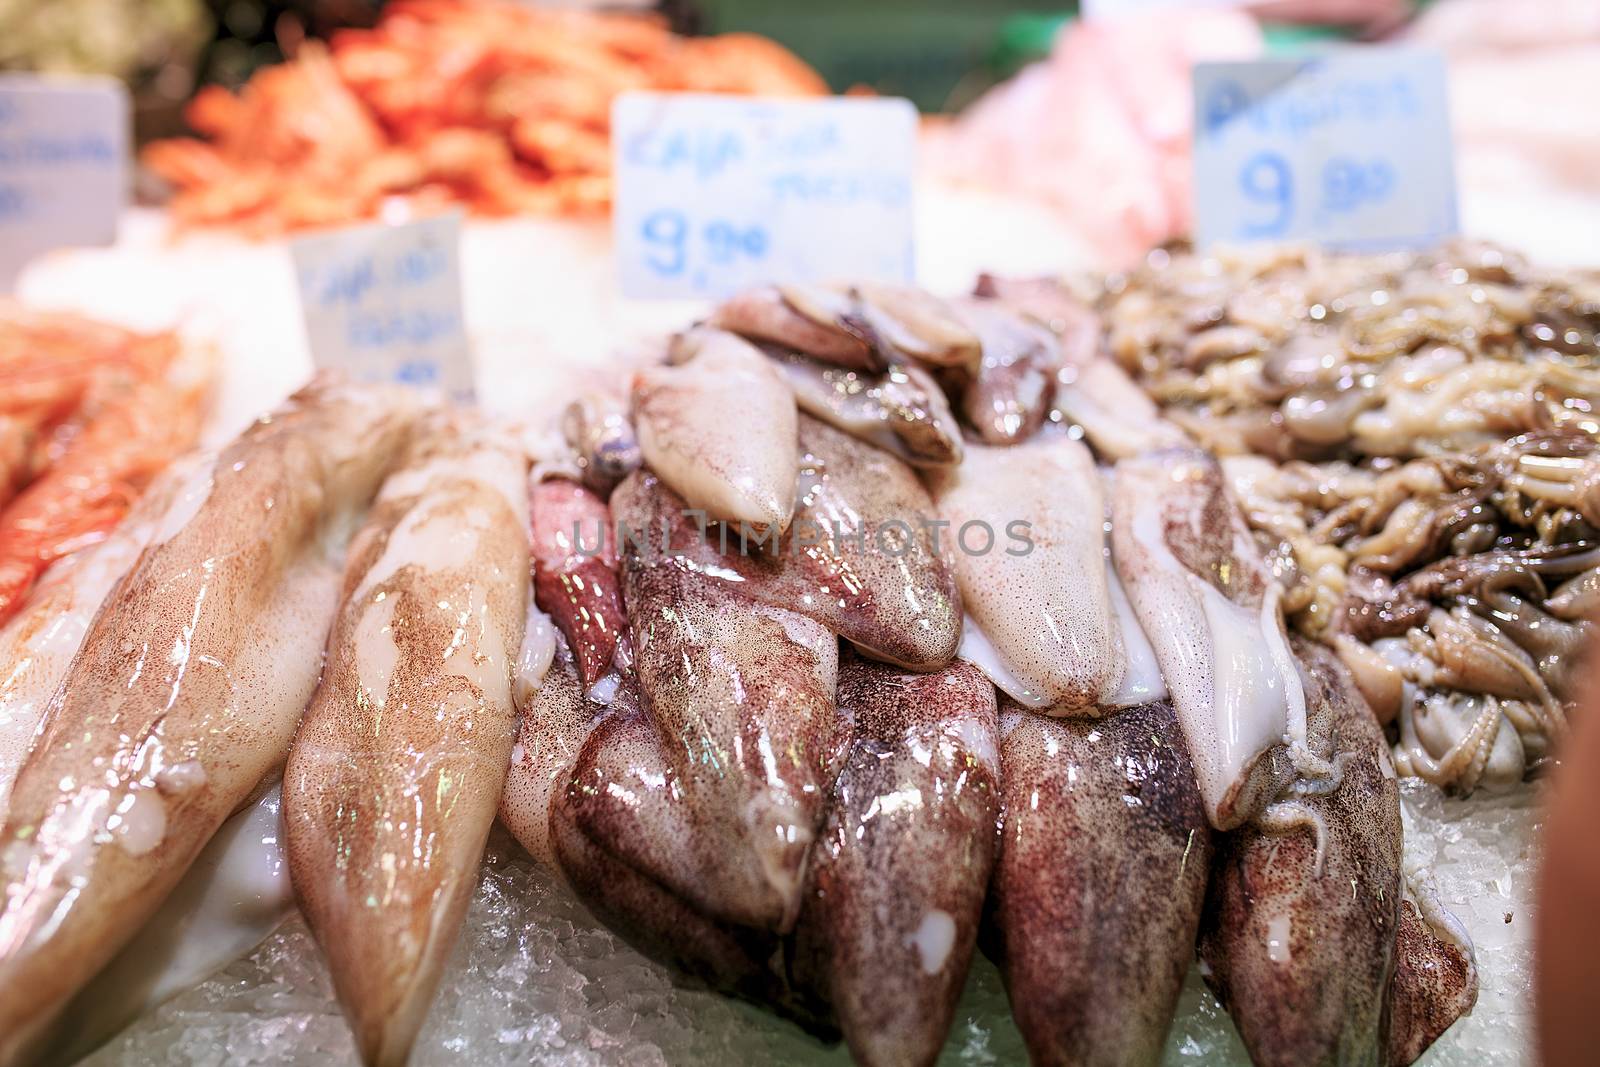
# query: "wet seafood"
[574,580]
[88,414]
[397,768]
[898,879]
[1102,871]
[1211,609]
[1405,432]
[1041,602]
[719,427]
[494,105]
[902,410]
[757,667]
[742,694]
[1298,936]
[38,644]
[183,697]
[1011,393]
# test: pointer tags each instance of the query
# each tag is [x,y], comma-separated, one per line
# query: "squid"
[767,314]
[1101,877]
[861,555]
[898,879]
[903,410]
[1298,935]
[37,645]
[742,696]
[597,429]
[1435,977]
[396,772]
[236,893]
[1210,608]
[184,695]
[1010,396]
[718,426]
[1028,548]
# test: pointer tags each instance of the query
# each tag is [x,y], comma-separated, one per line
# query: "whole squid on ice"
[1099,883]
[1210,608]
[859,556]
[718,425]
[396,771]
[183,696]
[1027,544]
[742,695]
[899,874]
[37,645]
[897,322]
[1298,935]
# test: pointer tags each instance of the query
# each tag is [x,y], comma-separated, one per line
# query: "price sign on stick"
[717,193]
[383,303]
[63,165]
[1350,149]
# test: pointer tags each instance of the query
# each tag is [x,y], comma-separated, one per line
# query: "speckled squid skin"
[1098,887]
[898,877]
[742,695]
[885,588]
[38,643]
[551,731]
[1435,983]
[1302,959]
[621,814]
[396,772]
[184,695]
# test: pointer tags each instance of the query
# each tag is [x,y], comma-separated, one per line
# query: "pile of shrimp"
[89,413]
[498,107]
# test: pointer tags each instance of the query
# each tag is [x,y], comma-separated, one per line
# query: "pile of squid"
[867,631]
[1413,437]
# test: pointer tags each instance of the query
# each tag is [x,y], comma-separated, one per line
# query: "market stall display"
[1107,649]
[717,727]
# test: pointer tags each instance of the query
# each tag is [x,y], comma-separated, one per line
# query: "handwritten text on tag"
[1350,149]
[63,165]
[383,302]
[717,193]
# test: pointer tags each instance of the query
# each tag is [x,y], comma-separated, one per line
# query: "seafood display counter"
[1154,666]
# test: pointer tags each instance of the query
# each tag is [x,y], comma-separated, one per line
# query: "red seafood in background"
[503,109]
[89,413]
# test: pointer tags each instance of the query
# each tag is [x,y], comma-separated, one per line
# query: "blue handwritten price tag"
[718,193]
[383,303]
[1350,149]
[63,165]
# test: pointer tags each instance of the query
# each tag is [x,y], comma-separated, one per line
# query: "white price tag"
[63,165]
[383,302]
[718,193]
[1350,149]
